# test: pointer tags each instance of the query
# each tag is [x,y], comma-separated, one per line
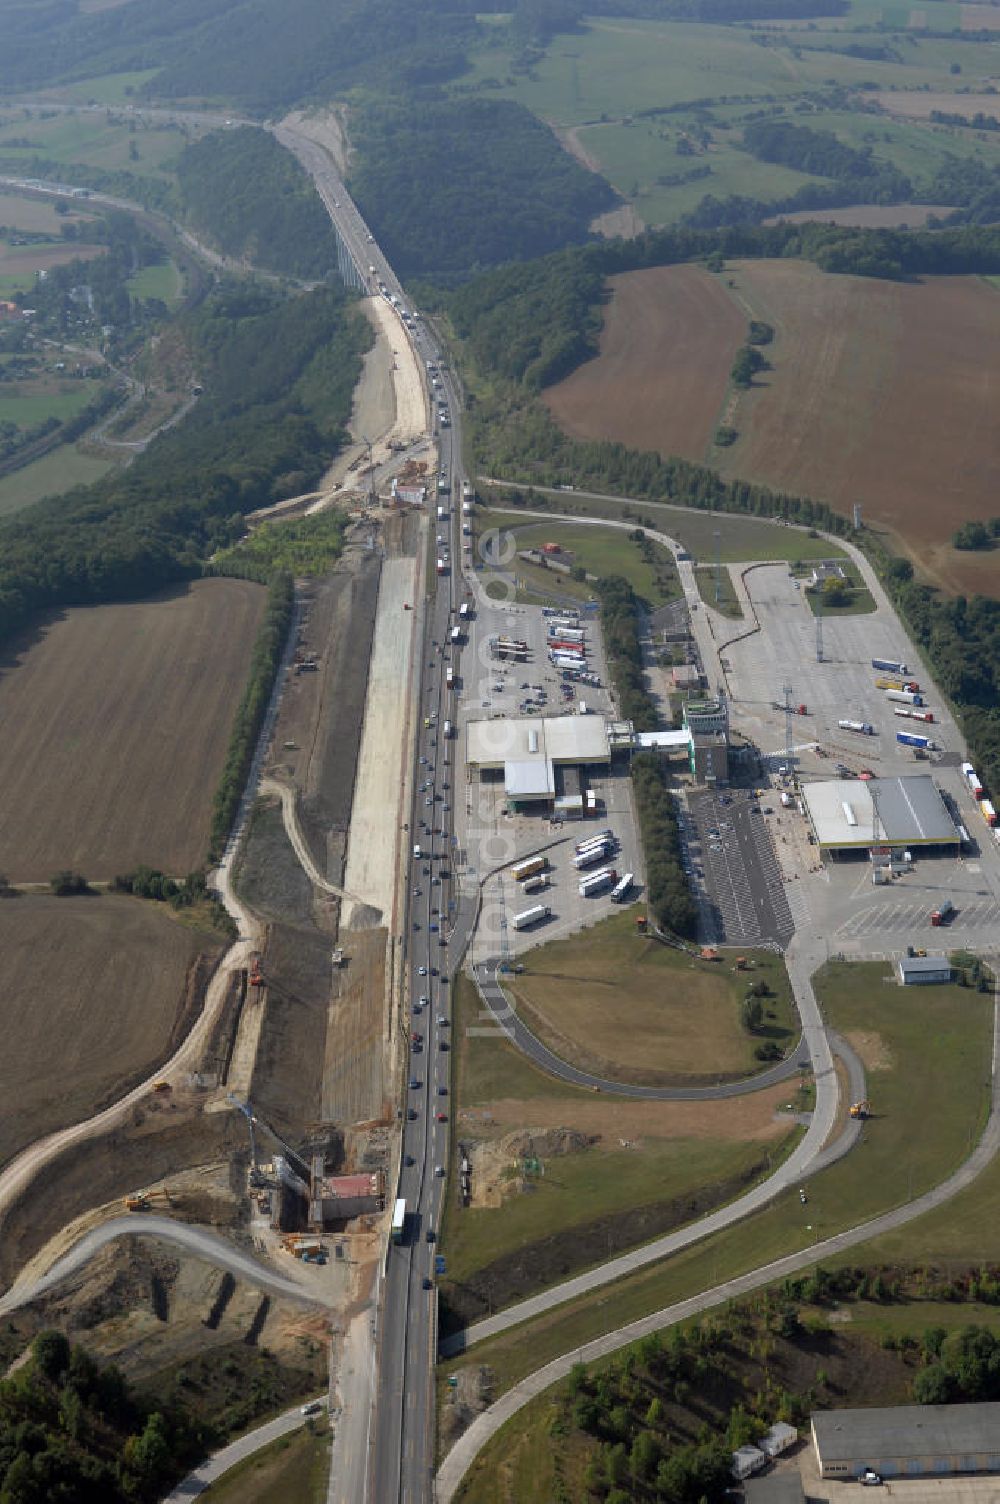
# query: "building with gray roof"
[910,811]
[907,1440]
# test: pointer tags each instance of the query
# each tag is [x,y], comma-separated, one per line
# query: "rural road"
[211,1471]
[461,1456]
[197,1240]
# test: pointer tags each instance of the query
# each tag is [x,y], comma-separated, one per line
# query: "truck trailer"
[597,882]
[594,854]
[600,835]
[523,870]
[864,728]
[989,814]
[942,914]
[914,739]
[905,696]
[889,666]
[532,916]
[972,779]
[914,715]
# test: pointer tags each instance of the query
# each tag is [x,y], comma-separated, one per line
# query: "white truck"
[531,916]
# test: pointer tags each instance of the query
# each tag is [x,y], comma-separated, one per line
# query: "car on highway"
[443,1044]
[431,1235]
[312,1408]
[427,1282]
[421,971]
[442,1117]
[411,1113]
[442,1091]
[439,1171]
[423,1000]
[414,1083]
[408,1160]
[433,928]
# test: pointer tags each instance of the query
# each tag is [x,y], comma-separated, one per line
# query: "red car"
[442,1117]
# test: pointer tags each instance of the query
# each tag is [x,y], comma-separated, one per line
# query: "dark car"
[430,1235]
[428,1283]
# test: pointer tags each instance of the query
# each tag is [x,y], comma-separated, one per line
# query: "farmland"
[118,718]
[660,379]
[95,993]
[20,264]
[54,472]
[873,388]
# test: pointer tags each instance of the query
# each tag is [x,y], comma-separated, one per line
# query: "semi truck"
[523,870]
[442,513]
[537,884]
[896,684]
[600,835]
[622,888]
[905,696]
[915,739]
[597,882]
[889,666]
[593,854]
[914,715]
[447,730]
[989,814]
[455,634]
[532,916]
[399,1220]
[449,678]
[442,565]
[943,913]
[463,611]
[570,649]
[864,728]
[567,630]
[972,779]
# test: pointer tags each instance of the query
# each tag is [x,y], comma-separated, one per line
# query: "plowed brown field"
[669,337]
[882,393]
[115,725]
[96,992]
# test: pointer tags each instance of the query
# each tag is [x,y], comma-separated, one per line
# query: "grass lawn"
[162,281]
[293,1467]
[934,1046]
[859,602]
[638,1010]
[28,408]
[728,602]
[744,540]
[54,472]
[37,216]
[600,551]
[92,140]
[109,88]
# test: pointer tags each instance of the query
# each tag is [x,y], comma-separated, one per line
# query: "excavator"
[861,1109]
[140,1201]
[255,978]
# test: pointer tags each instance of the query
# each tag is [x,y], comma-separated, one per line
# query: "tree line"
[620,608]
[251,197]
[667,887]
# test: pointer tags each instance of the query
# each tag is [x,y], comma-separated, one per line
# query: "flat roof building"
[926,969]
[908,1440]
[911,812]
[529,749]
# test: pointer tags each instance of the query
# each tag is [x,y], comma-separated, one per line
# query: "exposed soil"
[875,1054]
[288,1075]
[33,258]
[116,723]
[162,1139]
[914,104]
[670,334]
[532,1268]
[169,1319]
[491,1160]
[270,877]
[353,1084]
[321,713]
[751,1116]
[96,992]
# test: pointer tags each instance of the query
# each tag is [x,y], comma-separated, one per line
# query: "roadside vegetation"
[302,546]
[670,899]
[909,1083]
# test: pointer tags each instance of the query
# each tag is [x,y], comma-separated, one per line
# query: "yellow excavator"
[140,1201]
[861,1109]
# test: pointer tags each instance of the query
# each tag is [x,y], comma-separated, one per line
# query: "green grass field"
[718,593]
[294,1467]
[161,281]
[600,551]
[860,602]
[92,140]
[626,1006]
[743,540]
[109,88]
[936,1045]
[27,409]
[54,472]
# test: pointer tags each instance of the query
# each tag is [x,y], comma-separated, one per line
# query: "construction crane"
[861,1109]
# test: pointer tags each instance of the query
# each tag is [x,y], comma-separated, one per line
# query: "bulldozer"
[861,1109]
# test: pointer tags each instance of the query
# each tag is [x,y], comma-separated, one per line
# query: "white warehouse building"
[528,750]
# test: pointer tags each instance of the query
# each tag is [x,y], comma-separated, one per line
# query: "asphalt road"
[521,1037]
[460,1457]
[220,1462]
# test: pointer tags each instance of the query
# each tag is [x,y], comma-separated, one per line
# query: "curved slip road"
[519,1035]
[462,1454]
[197,1240]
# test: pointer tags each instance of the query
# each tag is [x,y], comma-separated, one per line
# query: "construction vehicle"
[161,1088]
[255,978]
[709,953]
[861,1109]
[140,1201]
[641,923]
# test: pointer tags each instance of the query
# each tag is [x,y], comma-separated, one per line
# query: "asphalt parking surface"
[734,869]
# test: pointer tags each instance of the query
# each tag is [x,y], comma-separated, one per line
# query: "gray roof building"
[923,969]
[908,1439]
[911,812]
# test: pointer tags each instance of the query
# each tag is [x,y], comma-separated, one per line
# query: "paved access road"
[219,1463]
[517,1031]
[460,1457]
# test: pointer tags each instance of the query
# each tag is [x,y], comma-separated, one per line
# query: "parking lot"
[488,835]
[733,868]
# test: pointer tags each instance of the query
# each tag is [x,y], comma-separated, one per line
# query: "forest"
[74,1432]
[279,375]
[252,199]
[464,184]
